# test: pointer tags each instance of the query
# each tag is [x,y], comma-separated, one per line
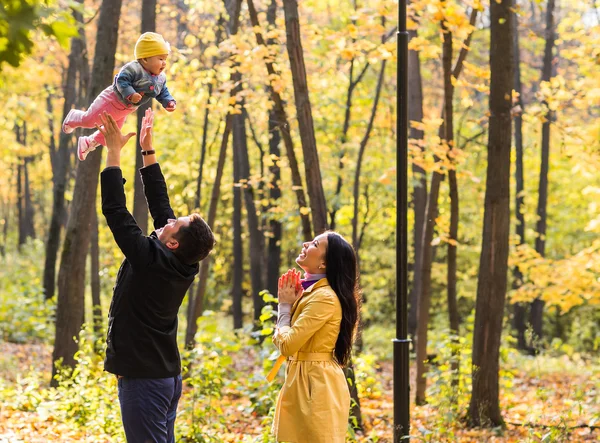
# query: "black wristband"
[150,152]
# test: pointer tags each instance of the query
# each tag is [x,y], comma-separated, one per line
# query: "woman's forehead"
[322,239]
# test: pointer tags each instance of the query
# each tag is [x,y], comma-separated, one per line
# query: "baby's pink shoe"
[85,145]
[66,128]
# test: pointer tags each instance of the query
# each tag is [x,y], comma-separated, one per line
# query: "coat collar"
[319,284]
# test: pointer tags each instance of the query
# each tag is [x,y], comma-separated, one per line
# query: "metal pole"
[401,342]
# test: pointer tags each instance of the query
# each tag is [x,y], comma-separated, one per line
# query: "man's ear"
[172,244]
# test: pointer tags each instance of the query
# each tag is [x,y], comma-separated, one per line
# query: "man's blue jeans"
[149,407]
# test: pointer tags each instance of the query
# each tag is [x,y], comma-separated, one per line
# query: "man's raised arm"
[128,235]
[155,187]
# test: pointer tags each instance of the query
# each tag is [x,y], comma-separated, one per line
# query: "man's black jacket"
[151,283]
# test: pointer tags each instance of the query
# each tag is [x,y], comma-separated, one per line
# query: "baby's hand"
[135,97]
[171,106]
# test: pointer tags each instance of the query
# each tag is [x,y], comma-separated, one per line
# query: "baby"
[138,82]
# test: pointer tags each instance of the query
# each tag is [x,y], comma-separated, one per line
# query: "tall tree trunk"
[205,124]
[242,183]
[350,375]
[70,306]
[198,302]
[519,308]
[305,121]
[239,145]
[182,22]
[415,114]
[284,127]
[484,408]
[361,153]
[24,204]
[61,166]
[20,205]
[238,253]
[95,278]
[29,213]
[423,285]
[233,8]
[447,54]
[5,223]
[257,242]
[537,306]
[355,411]
[352,83]
[140,207]
[275,227]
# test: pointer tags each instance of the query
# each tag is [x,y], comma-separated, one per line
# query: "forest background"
[269,168]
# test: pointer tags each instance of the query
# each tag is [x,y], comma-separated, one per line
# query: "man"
[151,283]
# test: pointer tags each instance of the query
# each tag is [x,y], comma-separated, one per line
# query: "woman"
[315,327]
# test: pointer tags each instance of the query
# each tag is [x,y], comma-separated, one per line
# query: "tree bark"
[205,125]
[537,306]
[24,205]
[484,408]
[454,203]
[95,278]
[256,236]
[182,22]
[5,223]
[361,153]
[70,306]
[305,121]
[29,213]
[198,302]
[284,127]
[415,114]
[352,83]
[140,207]
[238,257]
[275,227]
[355,402]
[20,206]
[61,167]
[423,285]
[519,308]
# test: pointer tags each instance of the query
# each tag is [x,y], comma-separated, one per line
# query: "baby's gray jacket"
[134,78]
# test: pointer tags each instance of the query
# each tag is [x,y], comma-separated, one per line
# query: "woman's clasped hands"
[289,288]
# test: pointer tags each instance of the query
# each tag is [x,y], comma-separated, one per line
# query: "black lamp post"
[401,342]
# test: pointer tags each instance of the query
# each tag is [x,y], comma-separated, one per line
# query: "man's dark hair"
[195,241]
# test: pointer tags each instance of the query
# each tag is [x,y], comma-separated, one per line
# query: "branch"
[464,50]
[366,222]
[256,140]
[544,426]
[470,139]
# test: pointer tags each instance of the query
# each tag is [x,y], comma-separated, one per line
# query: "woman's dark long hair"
[342,274]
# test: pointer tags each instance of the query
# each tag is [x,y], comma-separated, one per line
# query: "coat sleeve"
[165,97]
[157,196]
[128,235]
[317,311]
[125,79]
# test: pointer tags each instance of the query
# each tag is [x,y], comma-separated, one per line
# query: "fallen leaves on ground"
[536,405]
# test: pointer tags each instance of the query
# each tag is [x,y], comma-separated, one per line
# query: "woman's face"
[312,256]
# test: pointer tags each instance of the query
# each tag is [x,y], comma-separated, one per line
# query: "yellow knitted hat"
[150,44]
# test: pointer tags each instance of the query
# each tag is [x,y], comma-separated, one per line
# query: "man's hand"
[146,130]
[115,140]
[171,106]
[146,137]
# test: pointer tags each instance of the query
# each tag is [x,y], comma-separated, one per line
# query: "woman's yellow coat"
[314,402]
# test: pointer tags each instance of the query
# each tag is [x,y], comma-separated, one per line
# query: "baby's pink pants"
[106,101]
